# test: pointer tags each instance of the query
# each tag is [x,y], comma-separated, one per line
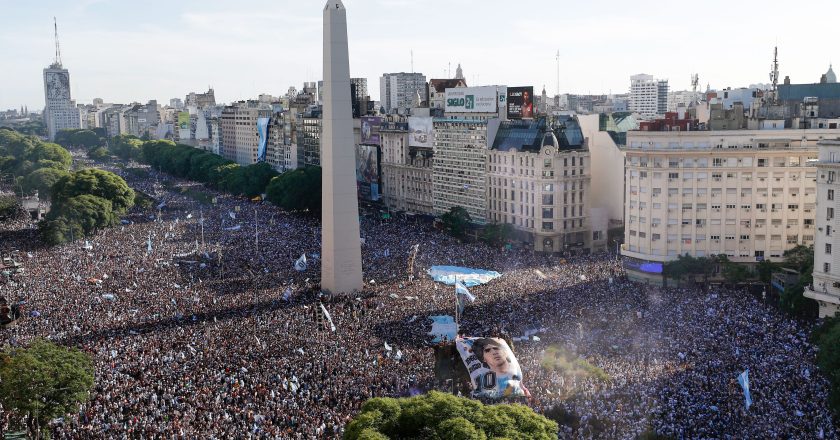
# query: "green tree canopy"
[42,180]
[456,221]
[95,182]
[827,338]
[439,416]
[297,190]
[126,147]
[257,177]
[497,234]
[90,212]
[43,382]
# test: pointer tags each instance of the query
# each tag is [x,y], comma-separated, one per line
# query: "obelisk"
[341,253]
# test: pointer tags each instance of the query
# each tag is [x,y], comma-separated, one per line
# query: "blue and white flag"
[149,244]
[327,317]
[232,215]
[744,380]
[300,264]
[461,289]
[287,294]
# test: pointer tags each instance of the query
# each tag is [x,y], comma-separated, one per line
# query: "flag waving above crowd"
[300,264]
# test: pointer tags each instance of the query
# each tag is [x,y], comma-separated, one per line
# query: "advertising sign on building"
[420,132]
[367,171]
[184,120]
[471,100]
[520,102]
[370,130]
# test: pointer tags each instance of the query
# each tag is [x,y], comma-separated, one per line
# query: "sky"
[124,51]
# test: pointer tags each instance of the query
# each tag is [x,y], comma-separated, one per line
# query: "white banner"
[471,99]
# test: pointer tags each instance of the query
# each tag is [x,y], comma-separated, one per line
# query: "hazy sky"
[126,51]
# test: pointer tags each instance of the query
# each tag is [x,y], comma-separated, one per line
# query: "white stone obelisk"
[341,253]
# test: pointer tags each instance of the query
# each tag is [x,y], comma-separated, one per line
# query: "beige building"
[749,194]
[538,180]
[406,170]
[826,287]
[240,139]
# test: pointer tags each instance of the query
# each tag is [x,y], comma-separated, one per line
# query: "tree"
[100,154]
[42,382]
[88,211]
[42,180]
[765,269]
[792,300]
[95,182]
[827,338]
[257,178]
[456,221]
[497,234]
[297,190]
[126,147]
[443,416]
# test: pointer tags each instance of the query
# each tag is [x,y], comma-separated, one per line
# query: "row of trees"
[827,338]
[457,221]
[21,155]
[799,258]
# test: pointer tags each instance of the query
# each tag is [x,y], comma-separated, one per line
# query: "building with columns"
[826,287]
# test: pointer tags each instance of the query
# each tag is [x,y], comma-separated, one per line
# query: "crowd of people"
[200,326]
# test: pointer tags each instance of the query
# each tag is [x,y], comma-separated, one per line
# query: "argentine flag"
[461,289]
[744,380]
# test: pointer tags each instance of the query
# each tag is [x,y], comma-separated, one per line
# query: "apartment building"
[539,181]
[398,91]
[240,140]
[749,194]
[826,287]
[648,96]
[407,164]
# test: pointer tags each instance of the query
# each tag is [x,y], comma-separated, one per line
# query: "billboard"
[184,120]
[370,130]
[520,102]
[471,100]
[420,132]
[494,370]
[367,171]
[262,131]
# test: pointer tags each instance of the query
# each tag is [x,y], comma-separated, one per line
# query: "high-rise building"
[240,139]
[398,91]
[359,92]
[826,286]
[308,137]
[200,100]
[648,96]
[60,112]
[748,194]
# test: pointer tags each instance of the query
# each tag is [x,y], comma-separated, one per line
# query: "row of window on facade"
[721,162]
[700,239]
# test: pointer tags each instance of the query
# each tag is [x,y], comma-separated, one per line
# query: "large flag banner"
[328,318]
[300,264]
[744,380]
[443,328]
[466,276]
[494,370]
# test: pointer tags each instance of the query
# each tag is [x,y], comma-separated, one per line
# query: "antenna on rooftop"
[558,72]
[57,47]
[695,81]
[774,73]
[412,61]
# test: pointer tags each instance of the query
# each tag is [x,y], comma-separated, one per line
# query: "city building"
[538,181]
[683,98]
[198,100]
[240,140]
[407,163]
[281,151]
[748,194]
[308,137]
[398,91]
[60,112]
[461,142]
[361,97]
[826,286]
[437,90]
[648,96]
[142,120]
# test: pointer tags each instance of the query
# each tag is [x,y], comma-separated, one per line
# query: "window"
[826,267]
[829,213]
[745,237]
[548,213]
[831,194]
[673,175]
[828,248]
[548,226]
[655,237]
[792,239]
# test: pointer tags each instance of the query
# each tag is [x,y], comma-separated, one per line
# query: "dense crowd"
[200,327]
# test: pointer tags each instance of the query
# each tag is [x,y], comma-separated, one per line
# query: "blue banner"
[262,131]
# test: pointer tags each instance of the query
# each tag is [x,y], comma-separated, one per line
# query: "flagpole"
[256,232]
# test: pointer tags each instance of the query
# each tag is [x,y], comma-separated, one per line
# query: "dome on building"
[830,77]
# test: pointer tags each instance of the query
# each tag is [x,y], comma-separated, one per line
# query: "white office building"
[60,112]
[398,91]
[648,96]
[826,287]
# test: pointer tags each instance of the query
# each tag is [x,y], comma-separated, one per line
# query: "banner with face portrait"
[494,370]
